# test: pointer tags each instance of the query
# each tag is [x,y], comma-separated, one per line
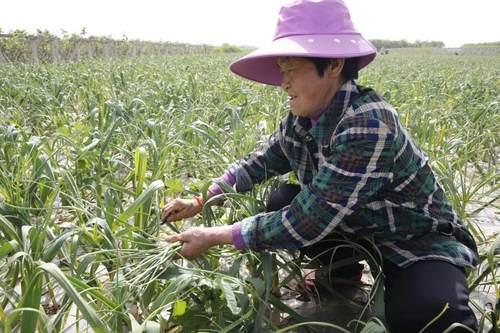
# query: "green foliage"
[228,48]
[396,44]
[18,46]
[489,44]
[89,151]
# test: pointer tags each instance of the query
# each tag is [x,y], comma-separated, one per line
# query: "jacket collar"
[332,114]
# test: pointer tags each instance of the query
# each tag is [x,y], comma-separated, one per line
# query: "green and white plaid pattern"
[362,175]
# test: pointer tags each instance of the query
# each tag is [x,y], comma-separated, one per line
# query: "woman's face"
[309,93]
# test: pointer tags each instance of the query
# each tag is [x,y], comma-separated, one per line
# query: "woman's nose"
[285,82]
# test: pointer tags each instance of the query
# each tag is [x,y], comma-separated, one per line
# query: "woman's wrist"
[199,201]
[220,235]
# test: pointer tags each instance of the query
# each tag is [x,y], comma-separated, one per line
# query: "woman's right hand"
[179,209]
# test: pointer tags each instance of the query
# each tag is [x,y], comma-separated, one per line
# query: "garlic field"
[90,151]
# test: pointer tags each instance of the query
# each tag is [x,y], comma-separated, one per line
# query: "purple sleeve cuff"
[238,240]
[214,190]
[227,178]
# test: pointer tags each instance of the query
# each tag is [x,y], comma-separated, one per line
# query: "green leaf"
[92,145]
[175,185]
[140,162]
[151,327]
[4,323]
[136,328]
[312,323]
[31,300]
[169,294]
[87,311]
[145,195]
[228,293]
[8,247]
[55,246]
[179,308]
[378,296]
[234,324]
[259,285]
[267,261]
[373,327]
[267,266]
[8,229]
[278,304]
[94,292]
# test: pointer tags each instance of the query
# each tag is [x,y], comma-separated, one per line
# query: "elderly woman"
[360,174]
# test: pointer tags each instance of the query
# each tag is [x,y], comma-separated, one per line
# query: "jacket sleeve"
[360,165]
[268,161]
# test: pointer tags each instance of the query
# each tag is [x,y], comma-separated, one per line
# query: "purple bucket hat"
[307,28]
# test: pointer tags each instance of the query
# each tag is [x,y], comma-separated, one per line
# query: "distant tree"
[228,48]
[15,46]
[489,44]
[44,47]
[392,44]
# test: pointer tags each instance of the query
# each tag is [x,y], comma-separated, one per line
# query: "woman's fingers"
[165,214]
[171,211]
[185,250]
[180,208]
[166,210]
[174,238]
[194,242]
[174,216]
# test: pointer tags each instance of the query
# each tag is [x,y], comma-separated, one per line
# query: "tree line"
[489,44]
[393,44]
[45,47]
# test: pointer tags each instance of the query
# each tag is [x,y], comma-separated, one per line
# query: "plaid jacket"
[361,174]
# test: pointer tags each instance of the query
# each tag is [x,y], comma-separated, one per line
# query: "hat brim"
[261,65]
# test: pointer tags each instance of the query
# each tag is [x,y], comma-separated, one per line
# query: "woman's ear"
[335,68]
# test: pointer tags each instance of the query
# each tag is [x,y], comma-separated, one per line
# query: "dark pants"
[413,295]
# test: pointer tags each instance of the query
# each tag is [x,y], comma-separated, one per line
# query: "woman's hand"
[197,240]
[179,209]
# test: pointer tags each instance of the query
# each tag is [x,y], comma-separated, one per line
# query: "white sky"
[251,22]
